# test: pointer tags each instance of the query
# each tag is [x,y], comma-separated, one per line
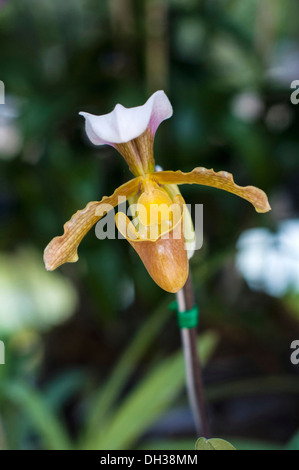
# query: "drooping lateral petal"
[220,179]
[63,249]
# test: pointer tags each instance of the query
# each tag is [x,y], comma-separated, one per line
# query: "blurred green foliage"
[226,67]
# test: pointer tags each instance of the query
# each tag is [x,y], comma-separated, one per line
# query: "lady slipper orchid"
[156,233]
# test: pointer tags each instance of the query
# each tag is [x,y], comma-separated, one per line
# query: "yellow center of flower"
[153,207]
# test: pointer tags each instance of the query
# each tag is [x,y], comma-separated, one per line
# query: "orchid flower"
[131,132]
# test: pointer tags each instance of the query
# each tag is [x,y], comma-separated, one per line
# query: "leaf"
[64,386]
[108,394]
[182,444]
[203,444]
[150,398]
[45,422]
[221,444]
[213,444]
[294,442]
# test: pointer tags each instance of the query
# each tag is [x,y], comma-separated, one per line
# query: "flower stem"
[185,301]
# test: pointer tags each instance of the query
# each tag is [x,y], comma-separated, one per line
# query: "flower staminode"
[156,233]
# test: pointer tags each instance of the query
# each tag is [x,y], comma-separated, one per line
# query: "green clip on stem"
[187,319]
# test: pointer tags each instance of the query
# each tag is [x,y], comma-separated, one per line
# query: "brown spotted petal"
[165,258]
[221,180]
[63,249]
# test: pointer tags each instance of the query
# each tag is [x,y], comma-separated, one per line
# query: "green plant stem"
[185,300]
